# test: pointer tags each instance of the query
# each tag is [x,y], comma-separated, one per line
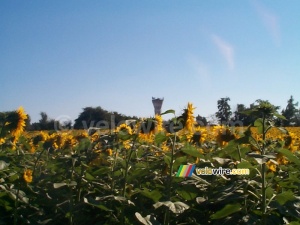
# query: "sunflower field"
[129,174]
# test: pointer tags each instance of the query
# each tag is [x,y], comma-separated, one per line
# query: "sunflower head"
[42,136]
[271,166]
[124,128]
[187,118]
[15,122]
[225,135]
[159,123]
[109,151]
[147,126]
[27,175]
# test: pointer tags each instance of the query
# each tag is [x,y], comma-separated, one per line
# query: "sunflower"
[223,135]
[125,128]
[2,140]
[148,127]
[187,120]
[27,175]
[290,142]
[109,151]
[271,166]
[159,123]
[41,137]
[22,116]
[190,119]
[70,141]
[281,159]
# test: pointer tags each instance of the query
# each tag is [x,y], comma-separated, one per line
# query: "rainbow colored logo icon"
[185,171]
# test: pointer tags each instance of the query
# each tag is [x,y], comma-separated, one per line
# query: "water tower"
[157,103]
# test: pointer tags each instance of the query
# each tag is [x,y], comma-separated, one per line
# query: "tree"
[45,123]
[224,111]
[201,120]
[28,123]
[238,114]
[241,117]
[290,113]
[98,117]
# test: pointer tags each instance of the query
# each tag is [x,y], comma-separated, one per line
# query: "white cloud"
[270,20]
[226,50]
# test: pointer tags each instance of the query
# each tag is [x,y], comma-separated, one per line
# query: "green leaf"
[188,192]
[3,164]
[282,198]
[230,147]
[101,171]
[160,138]
[283,130]
[259,158]
[290,156]
[191,150]
[259,125]
[176,207]
[294,223]
[89,176]
[13,177]
[148,220]
[44,221]
[245,139]
[102,198]
[226,211]
[269,192]
[167,159]
[155,195]
[221,161]
[279,116]
[168,111]
[96,204]
[58,185]
[179,161]
[244,164]
[123,135]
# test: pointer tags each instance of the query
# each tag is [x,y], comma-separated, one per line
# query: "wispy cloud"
[270,20]
[225,49]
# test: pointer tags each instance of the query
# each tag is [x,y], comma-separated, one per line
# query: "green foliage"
[117,178]
[224,110]
[98,117]
[291,113]
[226,211]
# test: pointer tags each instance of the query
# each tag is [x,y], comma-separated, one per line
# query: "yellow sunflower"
[109,151]
[27,175]
[124,127]
[190,119]
[271,166]
[22,116]
[159,123]
[2,140]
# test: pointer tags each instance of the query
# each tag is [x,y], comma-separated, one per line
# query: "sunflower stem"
[167,213]
[263,173]
[16,205]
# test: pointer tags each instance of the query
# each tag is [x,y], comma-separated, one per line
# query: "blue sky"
[61,56]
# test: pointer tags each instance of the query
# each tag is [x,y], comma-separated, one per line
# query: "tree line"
[241,116]
[94,116]
[89,117]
